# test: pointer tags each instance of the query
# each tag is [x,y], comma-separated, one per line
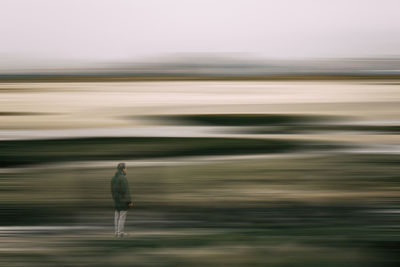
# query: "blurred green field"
[322,210]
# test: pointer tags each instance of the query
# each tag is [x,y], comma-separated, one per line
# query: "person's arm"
[115,189]
[129,197]
[128,193]
[124,193]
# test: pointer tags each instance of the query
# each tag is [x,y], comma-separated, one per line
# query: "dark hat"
[121,166]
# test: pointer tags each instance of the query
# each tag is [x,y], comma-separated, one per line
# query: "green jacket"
[120,191]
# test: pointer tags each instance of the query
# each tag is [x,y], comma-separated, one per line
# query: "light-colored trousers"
[119,221]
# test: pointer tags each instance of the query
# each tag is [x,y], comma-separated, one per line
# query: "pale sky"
[87,30]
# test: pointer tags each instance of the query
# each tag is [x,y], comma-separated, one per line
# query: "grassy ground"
[323,210]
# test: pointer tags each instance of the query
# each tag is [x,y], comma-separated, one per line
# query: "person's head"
[121,167]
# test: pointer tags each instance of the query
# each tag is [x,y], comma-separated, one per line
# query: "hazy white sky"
[123,29]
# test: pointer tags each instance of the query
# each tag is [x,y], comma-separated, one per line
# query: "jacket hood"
[121,166]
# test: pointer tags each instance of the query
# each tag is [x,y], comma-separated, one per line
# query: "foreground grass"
[188,248]
[331,210]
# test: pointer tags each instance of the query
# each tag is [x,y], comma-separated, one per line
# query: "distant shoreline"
[154,78]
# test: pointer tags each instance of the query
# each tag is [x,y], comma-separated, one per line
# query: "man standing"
[122,199]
